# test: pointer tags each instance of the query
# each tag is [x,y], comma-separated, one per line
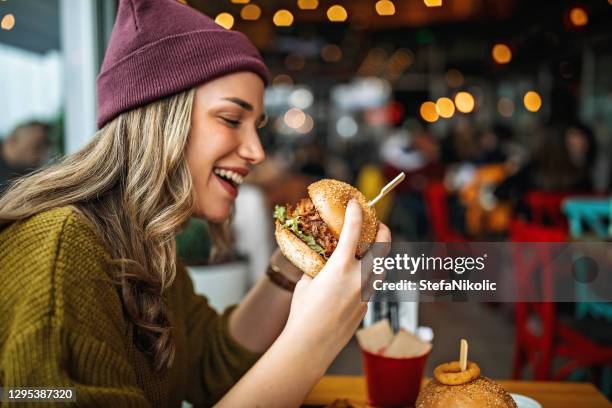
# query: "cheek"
[202,154]
[204,150]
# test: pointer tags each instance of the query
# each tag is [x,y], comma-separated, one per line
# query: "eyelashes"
[230,122]
[236,123]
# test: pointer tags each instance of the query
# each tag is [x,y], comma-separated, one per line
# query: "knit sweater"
[62,324]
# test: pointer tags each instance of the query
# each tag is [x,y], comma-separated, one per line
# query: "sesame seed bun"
[297,252]
[468,390]
[330,198]
[479,393]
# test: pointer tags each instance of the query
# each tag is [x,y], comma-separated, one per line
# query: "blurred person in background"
[414,150]
[582,149]
[24,150]
[498,145]
[495,155]
[562,162]
[107,308]
[461,145]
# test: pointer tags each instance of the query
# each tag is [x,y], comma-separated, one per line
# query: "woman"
[563,161]
[562,164]
[92,295]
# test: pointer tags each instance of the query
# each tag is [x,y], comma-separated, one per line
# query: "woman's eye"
[230,122]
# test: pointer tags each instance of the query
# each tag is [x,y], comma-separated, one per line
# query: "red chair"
[436,202]
[545,207]
[540,337]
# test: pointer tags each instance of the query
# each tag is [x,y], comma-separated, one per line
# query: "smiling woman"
[223,141]
[93,294]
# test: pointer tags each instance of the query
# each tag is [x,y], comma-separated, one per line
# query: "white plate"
[525,402]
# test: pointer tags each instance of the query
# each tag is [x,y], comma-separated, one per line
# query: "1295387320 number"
[46,394]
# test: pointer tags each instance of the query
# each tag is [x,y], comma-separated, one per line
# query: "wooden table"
[549,394]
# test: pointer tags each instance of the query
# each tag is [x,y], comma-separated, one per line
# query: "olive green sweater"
[62,324]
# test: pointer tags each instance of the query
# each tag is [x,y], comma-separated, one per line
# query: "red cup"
[393,382]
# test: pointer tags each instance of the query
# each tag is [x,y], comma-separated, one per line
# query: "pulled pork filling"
[311,223]
[306,223]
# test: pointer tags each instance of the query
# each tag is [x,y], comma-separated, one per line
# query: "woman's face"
[223,142]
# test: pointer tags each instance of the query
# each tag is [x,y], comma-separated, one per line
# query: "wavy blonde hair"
[133,184]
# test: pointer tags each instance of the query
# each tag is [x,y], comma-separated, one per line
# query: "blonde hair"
[133,184]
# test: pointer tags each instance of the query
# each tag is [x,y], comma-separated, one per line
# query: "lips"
[228,175]
[230,178]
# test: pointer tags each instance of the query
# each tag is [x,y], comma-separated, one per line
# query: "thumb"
[351,230]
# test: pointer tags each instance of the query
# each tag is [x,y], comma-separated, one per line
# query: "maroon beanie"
[162,47]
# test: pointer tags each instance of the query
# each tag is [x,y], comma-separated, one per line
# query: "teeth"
[230,175]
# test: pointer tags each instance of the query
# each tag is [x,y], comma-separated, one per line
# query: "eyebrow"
[246,106]
[240,102]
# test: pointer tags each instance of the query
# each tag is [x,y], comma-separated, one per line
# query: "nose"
[251,149]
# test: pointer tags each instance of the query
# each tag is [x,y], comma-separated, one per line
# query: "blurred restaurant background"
[498,111]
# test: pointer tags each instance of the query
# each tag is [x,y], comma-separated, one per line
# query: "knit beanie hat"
[162,47]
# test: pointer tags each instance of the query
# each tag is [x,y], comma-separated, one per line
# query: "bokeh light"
[347,127]
[240,1]
[429,112]
[8,22]
[433,3]
[307,126]
[331,53]
[578,17]
[282,79]
[505,107]
[294,118]
[501,53]
[454,78]
[282,18]
[445,107]
[532,101]
[250,12]
[385,8]
[308,4]
[464,101]
[225,20]
[301,98]
[337,13]
[401,59]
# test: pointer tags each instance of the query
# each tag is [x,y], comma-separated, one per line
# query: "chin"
[216,214]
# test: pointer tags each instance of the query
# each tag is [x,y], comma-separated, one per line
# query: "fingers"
[384,233]
[383,241]
[351,230]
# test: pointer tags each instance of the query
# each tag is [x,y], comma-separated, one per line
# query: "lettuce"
[280,213]
[292,224]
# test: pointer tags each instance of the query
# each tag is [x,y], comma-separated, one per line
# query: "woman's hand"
[326,310]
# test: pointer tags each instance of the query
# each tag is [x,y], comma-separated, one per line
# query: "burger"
[307,232]
[453,388]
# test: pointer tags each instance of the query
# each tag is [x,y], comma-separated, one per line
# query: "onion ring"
[451,374]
